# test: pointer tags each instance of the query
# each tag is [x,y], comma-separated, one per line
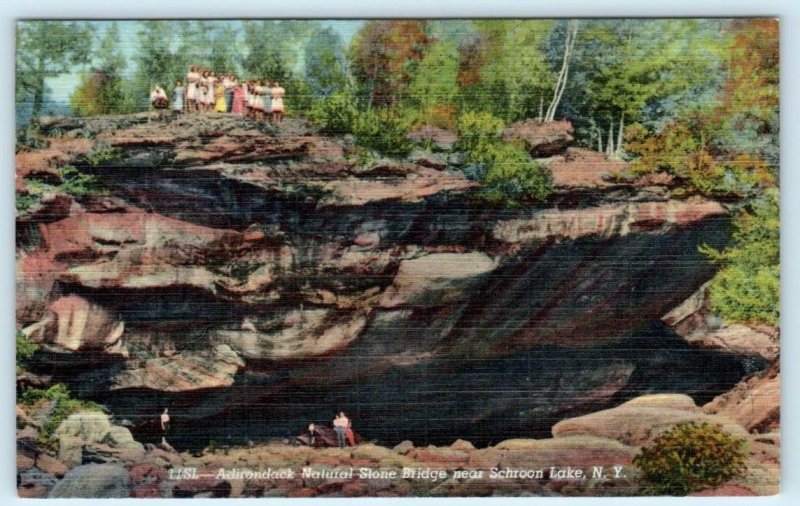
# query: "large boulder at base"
[540,138]
[101,481]
[93,430]
[639,421]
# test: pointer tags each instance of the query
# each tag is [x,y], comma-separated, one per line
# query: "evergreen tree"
[47,49]
[325,65]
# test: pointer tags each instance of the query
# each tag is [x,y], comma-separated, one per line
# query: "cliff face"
[255,279]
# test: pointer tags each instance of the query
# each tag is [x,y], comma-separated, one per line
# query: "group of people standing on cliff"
[207,92]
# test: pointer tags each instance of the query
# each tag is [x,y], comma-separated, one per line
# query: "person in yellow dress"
[219,93]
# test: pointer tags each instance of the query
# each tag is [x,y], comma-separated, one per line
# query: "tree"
[563,75]
[48,49]
[503,68]
[101,91]
[628,70]
[272,47]
[434,88]
[383,55]
[224,49]
[325,63]
[748,109]
[157,62]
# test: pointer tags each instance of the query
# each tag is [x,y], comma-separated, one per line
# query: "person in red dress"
[238,100]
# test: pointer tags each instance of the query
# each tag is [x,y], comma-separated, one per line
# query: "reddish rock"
[443,139]
[206,482]
[148,490]
[724,491]
[24,462]
[51,465]
[147,472]
[584,168]
[541,139]
[754,402]
[302,492]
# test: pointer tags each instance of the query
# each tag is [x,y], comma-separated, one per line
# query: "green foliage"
[336,114]
[65,405]
[382,130]
[476,132]
[25,347]
[505,70]
[100,155]
[47,49]
[29,138]
[747,288]
[511,176]
[325,65]
[434,88]
[682,150]
[77,183]
[690,457]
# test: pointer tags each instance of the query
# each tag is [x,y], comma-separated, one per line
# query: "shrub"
[384,130]
[77,183]
[65,406]
[476,132]
[747,288]
[690,457]
[336,114]
[680,150]
[100,155]
[511,175]
[25,350]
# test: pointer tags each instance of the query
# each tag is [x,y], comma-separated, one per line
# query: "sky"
[61,87]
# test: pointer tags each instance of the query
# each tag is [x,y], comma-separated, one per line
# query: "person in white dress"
[191,91]
[210,96]
[277,102]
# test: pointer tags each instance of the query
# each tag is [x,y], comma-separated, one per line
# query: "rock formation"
[251,276]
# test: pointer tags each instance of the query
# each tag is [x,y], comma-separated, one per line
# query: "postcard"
[397,257]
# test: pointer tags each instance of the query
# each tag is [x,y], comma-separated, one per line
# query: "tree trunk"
[610,145]
[599,140]
[541,108]
[561,81]
[619,134]
[38,90]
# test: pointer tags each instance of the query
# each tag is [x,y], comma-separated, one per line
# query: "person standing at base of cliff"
[165,422]
[312,434]
[178,94]
[340,425]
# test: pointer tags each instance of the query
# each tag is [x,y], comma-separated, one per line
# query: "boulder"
[639,421]
[442,138]
[50,465]
[34,483]
[541,139]
[575,451]
[96,481]
[91,432]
